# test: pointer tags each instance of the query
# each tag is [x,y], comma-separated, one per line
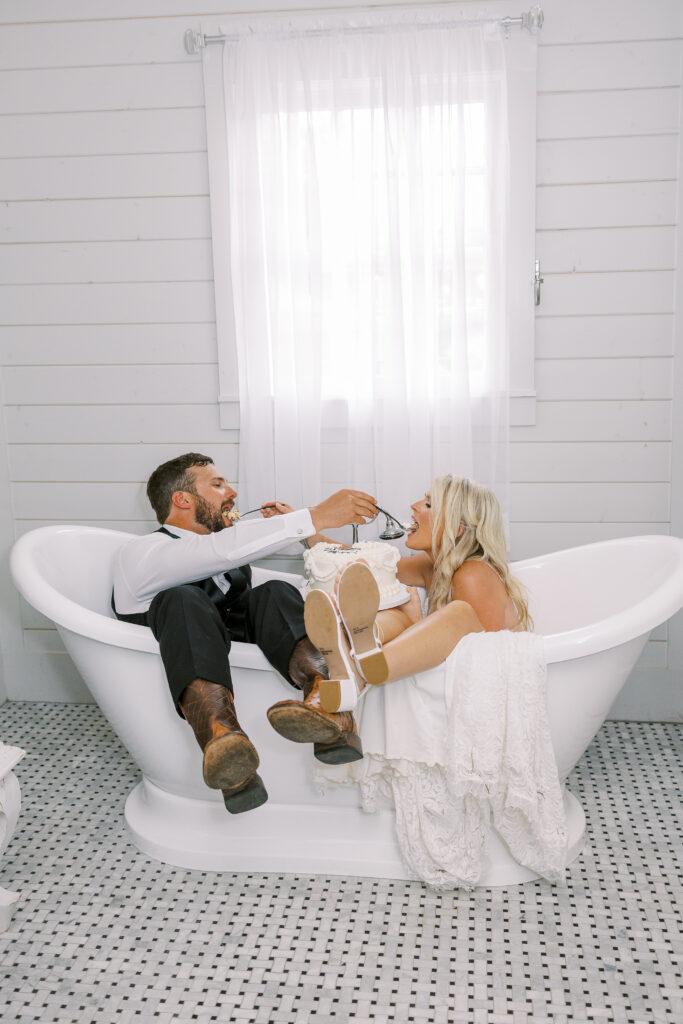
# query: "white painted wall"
[107,343]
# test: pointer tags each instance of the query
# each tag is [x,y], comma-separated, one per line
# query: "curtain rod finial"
[533,19]
[194,41]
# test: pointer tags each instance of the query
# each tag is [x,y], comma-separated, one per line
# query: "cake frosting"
[323,563]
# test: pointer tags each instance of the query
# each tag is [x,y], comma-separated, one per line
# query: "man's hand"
[275,508]
[342,508]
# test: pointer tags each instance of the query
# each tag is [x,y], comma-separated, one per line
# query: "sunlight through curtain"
[368,192]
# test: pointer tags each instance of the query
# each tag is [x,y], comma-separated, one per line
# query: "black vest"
[230,605]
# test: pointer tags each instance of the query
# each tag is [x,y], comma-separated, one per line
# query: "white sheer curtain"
[368,192]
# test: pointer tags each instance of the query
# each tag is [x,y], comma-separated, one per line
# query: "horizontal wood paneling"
[623,502]
[130,87]
[94,43]
[530,539]
[95,501]
[582,115]
[637,204]
[110,385]
[636,158]
[606,249]
[136,526]
[115,424]
[103,132]
[106,177]
[581,379]
[584,21]
[133,302]
[636,64]
[605,336]
[598,420]
[82,463]
[591,461]
[90,344]
[635,291]
[109,219]
[654,656]
[72,263]
[82,10]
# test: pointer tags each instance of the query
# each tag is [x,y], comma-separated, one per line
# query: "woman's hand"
[413,608]
[275,508]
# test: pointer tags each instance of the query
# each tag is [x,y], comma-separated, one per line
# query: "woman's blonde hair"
[457,501]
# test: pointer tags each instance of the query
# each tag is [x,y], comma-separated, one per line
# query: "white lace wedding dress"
[459,749]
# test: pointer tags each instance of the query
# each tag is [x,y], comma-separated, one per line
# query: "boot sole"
[296,722]
[358,606]
[344,750]
[229,761]
[252,795]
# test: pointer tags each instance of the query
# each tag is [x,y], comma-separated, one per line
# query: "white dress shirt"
[147,565]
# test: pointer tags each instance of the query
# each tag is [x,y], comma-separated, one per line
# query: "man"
[190,582]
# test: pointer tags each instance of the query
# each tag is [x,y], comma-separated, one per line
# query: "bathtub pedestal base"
[294,838]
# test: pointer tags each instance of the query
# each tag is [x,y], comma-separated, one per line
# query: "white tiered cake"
[323,563]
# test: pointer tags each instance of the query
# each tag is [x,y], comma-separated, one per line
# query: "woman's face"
[421,538]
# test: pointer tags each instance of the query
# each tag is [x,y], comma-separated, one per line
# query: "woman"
[460,742]
[460,561]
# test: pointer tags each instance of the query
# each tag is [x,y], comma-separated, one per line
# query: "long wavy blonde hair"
[457,501]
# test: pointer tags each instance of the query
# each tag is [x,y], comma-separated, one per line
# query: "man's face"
[212,495]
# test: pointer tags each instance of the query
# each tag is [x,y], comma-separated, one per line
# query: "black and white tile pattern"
[105,936]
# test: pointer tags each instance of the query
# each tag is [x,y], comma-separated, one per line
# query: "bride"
[460,562]
[459,743]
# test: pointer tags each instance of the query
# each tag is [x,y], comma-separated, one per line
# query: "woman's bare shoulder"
[480,585]
[474,577]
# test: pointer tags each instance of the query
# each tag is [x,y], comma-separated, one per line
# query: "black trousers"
[195,633]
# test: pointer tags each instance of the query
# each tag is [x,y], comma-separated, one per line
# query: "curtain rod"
[531,20]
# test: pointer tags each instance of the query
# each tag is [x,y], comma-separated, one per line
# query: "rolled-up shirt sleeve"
[147,565]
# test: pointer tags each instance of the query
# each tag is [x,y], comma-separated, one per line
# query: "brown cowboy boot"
[246,797]
[230,758]
[334,736]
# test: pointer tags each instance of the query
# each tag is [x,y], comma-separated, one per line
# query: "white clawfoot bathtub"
[595,606]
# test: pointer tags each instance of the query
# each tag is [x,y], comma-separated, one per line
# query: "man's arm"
[350,506]
[343,508]
[147,565]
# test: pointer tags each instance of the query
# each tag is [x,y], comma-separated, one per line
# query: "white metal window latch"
[538,281]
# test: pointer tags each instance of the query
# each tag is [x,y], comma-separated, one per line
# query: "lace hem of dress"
[492,764]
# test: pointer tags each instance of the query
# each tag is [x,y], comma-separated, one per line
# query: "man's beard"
[208,516]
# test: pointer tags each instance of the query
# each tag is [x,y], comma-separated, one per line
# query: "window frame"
[522,67]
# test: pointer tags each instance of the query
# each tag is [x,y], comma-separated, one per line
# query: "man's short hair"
[174,475]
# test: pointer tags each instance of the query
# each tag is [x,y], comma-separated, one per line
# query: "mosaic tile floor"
[105,936]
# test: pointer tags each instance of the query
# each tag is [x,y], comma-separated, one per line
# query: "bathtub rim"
[605,633]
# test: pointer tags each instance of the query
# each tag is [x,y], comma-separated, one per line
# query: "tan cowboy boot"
[333,735]
[230,758]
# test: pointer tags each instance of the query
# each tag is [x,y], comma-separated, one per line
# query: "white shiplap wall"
[107,343]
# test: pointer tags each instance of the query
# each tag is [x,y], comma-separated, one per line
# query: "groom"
[190,582]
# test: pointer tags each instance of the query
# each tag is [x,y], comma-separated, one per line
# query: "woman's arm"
[415,570]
